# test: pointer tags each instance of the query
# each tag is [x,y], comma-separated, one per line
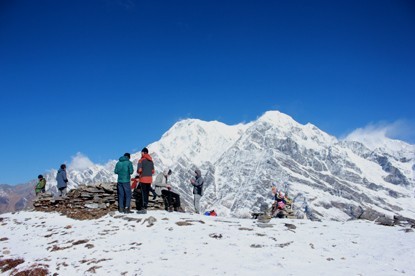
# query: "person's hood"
[60,170]
[123,158]
[198,173]
[146,156]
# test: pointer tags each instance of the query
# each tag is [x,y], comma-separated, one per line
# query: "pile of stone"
[87,202]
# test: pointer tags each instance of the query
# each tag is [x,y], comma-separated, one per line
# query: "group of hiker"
[61,180]
[142,184]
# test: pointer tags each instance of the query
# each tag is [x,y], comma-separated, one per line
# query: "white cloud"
[378,133]
[80,162]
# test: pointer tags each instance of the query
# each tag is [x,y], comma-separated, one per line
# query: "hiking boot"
[127,211]
[142,211]
[171,209]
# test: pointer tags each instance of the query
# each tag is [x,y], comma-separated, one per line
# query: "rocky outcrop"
[87,202]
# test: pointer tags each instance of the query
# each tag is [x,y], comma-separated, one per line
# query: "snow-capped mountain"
[339,178]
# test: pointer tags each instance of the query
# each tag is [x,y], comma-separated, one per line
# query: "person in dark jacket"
[124,169]
[197,183]
[41,185]
[145,170]
[62,180]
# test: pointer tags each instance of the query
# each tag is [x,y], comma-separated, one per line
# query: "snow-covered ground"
[161,243]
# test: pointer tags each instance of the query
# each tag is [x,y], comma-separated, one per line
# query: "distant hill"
[15,198]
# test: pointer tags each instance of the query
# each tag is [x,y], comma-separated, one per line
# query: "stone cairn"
[88,202]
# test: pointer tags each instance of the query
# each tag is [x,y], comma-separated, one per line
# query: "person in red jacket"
[145,170]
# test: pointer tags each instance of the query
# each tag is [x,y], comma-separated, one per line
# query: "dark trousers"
[124,195]
[145,190]
[172,198]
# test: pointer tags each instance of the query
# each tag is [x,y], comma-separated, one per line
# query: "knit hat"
[145,150]
[40,176]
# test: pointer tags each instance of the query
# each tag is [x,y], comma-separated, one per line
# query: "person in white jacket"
[163,188]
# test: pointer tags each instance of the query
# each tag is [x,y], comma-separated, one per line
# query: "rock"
[93,190]
[109,188]
[372,215]
[95,206]
[290,226]
[87,195]
[265,218]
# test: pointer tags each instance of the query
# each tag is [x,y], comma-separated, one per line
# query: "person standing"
[41,185]
[62,180]
[145,170]
[163,188]
[197,183]
[124,169]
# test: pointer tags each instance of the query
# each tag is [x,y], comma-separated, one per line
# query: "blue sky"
[105,77]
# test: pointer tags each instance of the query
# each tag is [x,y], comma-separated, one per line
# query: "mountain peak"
[197,140]
[279,118]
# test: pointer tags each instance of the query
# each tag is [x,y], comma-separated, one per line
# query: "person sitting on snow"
[279,202]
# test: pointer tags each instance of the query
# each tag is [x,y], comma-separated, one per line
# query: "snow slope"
[161,243]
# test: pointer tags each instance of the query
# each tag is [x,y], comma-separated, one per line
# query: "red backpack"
[134,183]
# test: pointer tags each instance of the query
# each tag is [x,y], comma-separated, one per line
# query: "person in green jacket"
[41,185]
[124,169]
